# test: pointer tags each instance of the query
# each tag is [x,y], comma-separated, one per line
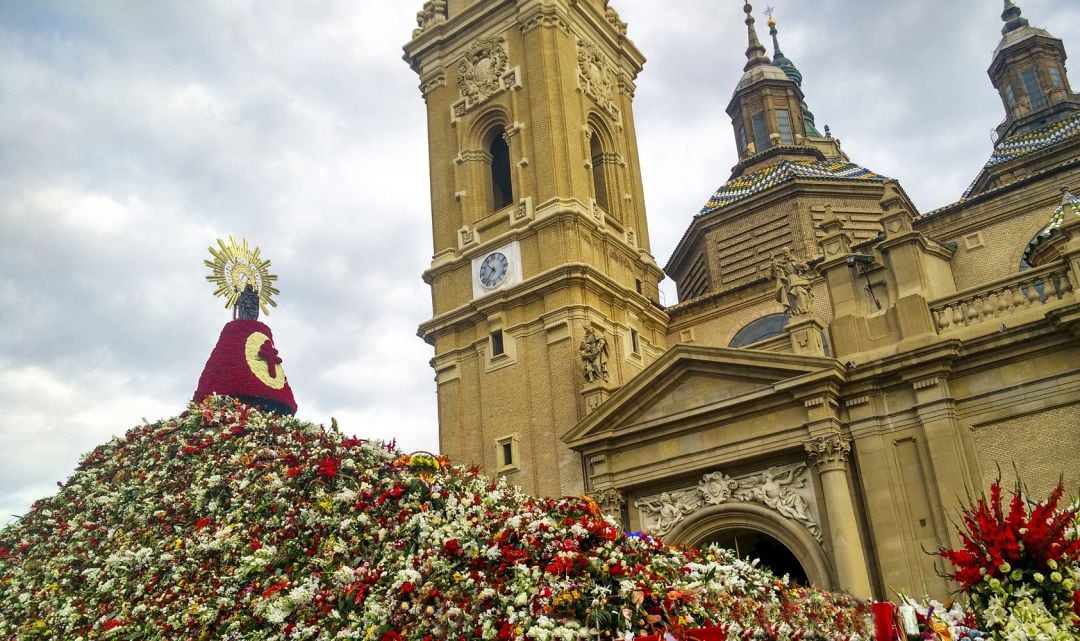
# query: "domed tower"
[764,220]
[1041,110]
[544,289]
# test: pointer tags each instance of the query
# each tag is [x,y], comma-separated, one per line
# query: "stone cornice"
[571,274]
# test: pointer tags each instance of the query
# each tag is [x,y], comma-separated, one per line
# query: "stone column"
[830,453]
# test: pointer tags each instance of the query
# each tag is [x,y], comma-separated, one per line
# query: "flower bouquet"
[1021,566]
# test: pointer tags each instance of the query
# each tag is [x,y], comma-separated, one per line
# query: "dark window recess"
[635,342]
[502,191]
[497,343]
[1055,76]
[761,134]
[637,285]
[783,125]
[508,453]
[742,139]
[1034,91]
[598,177]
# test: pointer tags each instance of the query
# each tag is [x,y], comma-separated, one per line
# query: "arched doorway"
[752,524]
[773,555]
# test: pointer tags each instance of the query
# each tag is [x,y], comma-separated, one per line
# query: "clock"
[497,268]
[494,269]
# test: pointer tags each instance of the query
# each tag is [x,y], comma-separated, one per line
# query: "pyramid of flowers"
[231,523]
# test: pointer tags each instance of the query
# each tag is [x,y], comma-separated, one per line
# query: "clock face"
[494,269]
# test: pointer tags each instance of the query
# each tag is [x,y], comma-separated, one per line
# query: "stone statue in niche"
[792,283]
[776,489]
[480,71]
[594,355]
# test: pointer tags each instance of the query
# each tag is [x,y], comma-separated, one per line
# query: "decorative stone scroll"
[774,488]
[596,76]
[483,73]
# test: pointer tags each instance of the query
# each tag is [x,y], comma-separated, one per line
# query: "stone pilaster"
[830,453]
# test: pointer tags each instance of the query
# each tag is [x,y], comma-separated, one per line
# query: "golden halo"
[235,266]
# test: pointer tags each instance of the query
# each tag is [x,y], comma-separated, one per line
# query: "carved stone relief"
[479,71]
[596,76]
[783,489]
[483,73]
[611,501]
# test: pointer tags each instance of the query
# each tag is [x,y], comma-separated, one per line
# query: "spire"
[755,51]
[789,69]
[1011,17]
[779,59]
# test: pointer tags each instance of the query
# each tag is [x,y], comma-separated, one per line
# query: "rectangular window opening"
[1010,97]
[1055,77]
[497,343]
[507,453]
[761,134]
[742,139]
[635,342]
[1033,89]
[783,125]
[637,285]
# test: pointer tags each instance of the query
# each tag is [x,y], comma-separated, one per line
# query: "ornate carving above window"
[596,77]
[783,489]
[483,73]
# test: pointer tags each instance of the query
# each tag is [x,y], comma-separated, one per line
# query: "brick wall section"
[1043,445]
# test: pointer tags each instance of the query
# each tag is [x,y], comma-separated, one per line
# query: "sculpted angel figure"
[792,283]
[594,355]
[667,510]
[775,489]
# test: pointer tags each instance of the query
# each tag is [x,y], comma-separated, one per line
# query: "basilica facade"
[840,371]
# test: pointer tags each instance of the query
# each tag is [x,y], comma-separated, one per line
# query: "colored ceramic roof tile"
[783,171]
[1069,203]
[1019,145]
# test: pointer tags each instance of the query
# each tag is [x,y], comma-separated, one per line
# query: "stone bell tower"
[544,290]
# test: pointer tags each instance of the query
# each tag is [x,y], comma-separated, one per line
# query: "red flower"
[112,623]
[407,588]
[453,548]
[328,467]
[391,635]
[203,522]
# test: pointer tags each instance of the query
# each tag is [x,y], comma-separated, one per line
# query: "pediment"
[697,389]
[690,379]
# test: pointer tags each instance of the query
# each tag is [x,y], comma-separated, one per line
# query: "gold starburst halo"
[235,266]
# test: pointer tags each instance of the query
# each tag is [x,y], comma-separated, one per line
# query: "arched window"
[760,329]
[600,191]
[502,191]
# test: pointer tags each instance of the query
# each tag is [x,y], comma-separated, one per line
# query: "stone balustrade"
[1027,290]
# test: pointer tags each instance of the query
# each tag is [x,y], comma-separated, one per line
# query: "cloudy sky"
[134,133]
